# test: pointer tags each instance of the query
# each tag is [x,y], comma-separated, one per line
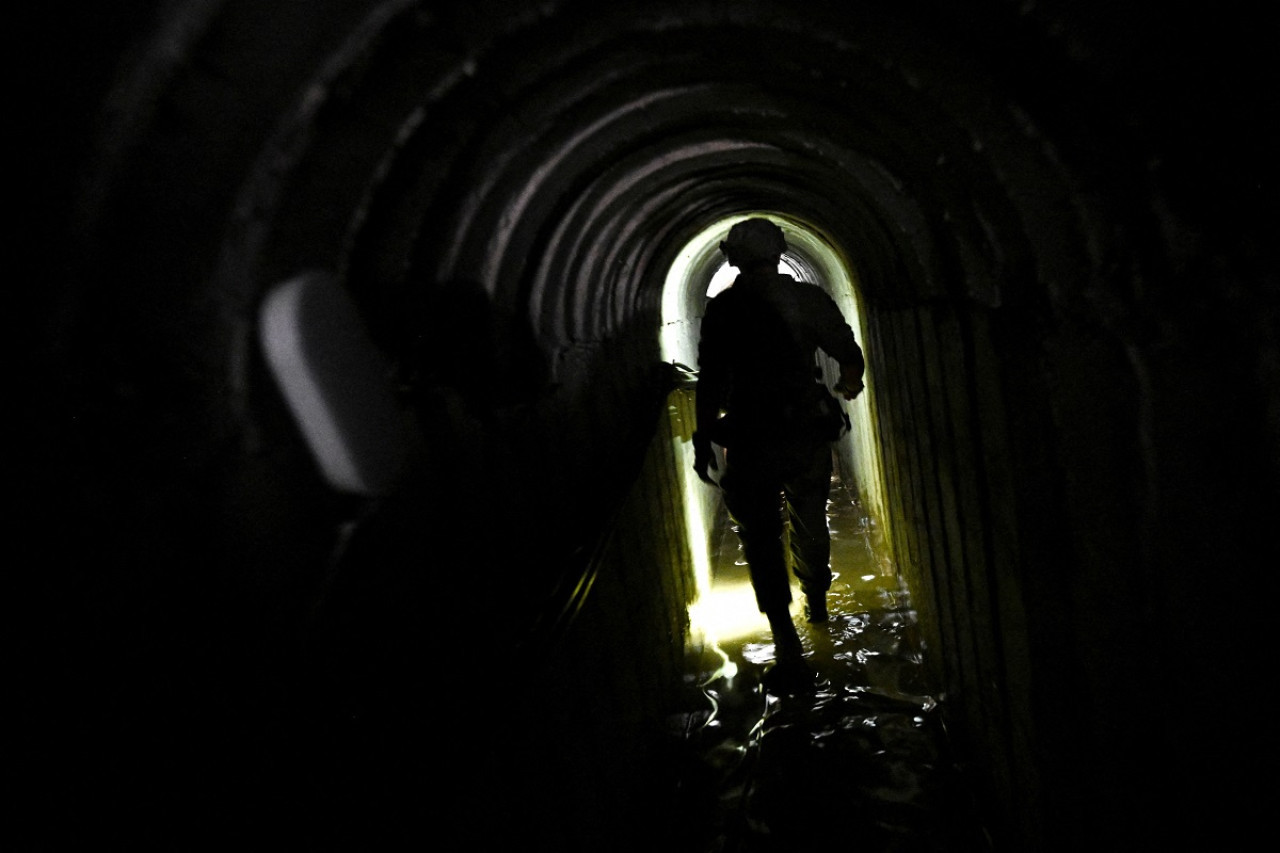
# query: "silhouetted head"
[753,242]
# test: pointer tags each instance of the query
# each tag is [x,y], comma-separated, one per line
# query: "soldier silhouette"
[761,397]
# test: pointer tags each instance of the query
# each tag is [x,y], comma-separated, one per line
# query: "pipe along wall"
[1051,217]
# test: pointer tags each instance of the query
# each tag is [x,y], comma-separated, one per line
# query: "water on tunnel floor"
[860,762]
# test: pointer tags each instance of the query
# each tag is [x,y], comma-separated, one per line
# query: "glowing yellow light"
[727,612]
[695,517]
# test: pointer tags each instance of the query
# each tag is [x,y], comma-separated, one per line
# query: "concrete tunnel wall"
[1056,216]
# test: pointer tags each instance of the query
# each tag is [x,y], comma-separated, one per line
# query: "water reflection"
[859,762]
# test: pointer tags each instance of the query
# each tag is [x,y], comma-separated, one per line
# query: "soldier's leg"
[754,499]
[807,495]
[755,503]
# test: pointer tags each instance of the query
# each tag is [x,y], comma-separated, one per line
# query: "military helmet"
[753,240]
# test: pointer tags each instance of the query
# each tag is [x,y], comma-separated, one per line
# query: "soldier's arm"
[711,370]
[836,338]
[709,395]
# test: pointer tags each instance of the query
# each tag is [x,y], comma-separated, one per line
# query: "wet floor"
[861,762]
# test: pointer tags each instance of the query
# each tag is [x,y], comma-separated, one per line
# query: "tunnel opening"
[689,284]
[730,643]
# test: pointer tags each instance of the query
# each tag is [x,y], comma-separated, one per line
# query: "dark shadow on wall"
[469,349]
[468,687]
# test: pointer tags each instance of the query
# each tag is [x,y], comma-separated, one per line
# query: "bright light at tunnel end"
[726,612]
[726,274]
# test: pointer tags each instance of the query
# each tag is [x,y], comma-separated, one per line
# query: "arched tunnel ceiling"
[561,159]
[560,155]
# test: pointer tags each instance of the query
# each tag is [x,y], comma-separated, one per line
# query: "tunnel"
[1051,224]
